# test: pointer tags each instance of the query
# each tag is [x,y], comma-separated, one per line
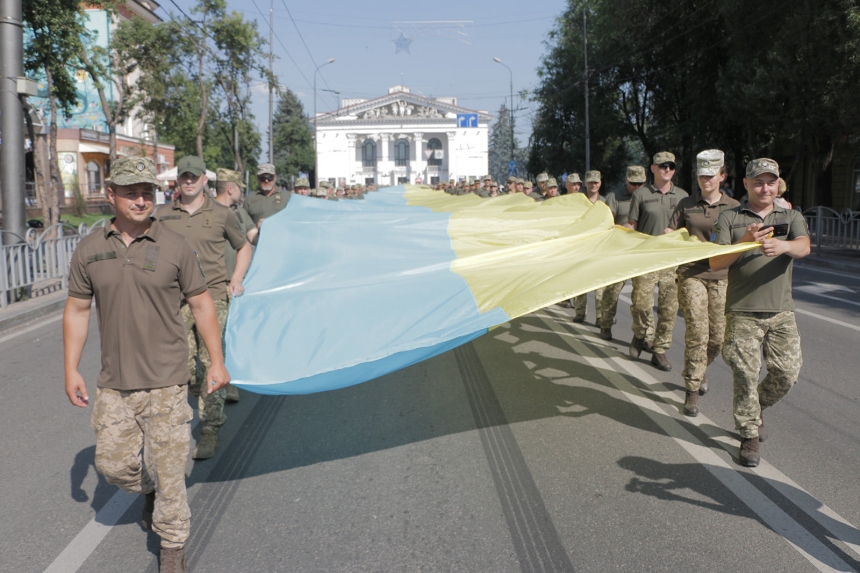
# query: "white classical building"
[402,138]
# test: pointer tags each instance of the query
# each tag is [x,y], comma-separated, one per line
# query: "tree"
[54,32]
[292,139]
[503,142]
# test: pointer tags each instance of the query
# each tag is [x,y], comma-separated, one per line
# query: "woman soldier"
[701,291]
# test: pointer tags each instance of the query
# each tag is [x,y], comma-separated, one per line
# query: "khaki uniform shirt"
[758,283]
[699,217]
[207,229]
[245,223]
[651,209]
[618,202]
[138,290]
[259,206]
[537,196]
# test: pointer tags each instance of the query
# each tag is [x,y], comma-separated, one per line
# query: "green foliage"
[750,77]
[293,141]
[501,138]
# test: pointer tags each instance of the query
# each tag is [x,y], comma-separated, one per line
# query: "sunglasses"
[494,186]
[637,184]
[669,166]
[265,178]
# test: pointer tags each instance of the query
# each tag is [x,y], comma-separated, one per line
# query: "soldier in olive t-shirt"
[759,308]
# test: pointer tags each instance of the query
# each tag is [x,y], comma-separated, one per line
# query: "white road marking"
[811,289]
[827,319]
[31,328]
[797,536]
[811,269]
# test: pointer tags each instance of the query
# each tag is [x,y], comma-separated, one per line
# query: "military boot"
[749,455]
[636,346]
[704,387]
[173,560]
[691,404]
[605,333]
[207,445]
[232,394]
[579,318]
[148,508]
[659,361]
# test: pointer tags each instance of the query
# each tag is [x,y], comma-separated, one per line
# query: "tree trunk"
[56,188]
[204,100]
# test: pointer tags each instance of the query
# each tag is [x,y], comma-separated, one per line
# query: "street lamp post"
[498,61]
[316,160]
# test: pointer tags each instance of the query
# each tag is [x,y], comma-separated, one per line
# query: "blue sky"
[359,36]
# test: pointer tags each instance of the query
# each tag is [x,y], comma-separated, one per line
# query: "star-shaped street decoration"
[401,44]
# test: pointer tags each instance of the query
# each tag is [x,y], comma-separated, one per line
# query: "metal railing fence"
[829,229]
[42,256]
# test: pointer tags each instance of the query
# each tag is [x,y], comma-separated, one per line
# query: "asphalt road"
[538,447]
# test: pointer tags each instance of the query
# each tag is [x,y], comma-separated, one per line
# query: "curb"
[19,317]
[834,265]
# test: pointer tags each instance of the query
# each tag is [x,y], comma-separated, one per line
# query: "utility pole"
[511,111]
[271,87]
[11,121]
[585,52]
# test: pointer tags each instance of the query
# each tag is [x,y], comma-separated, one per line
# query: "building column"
[351,153]
[420,164]
[385,166]
[449,157]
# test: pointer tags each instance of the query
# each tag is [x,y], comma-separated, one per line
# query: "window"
[434,144]
[94,179]
[401,153]
[368,153]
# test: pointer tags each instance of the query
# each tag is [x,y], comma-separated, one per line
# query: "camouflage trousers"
[156,422]
[609,305]
[748,336]
[580,304]
[703,305]
[642,307]
[210,407]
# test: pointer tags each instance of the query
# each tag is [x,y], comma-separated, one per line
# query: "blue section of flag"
[343,292]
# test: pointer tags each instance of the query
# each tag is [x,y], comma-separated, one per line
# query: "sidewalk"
[19,313]
[843,260]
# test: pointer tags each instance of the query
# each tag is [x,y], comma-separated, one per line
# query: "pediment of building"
[398,106]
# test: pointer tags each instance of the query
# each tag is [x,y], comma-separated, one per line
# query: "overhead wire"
[302,38]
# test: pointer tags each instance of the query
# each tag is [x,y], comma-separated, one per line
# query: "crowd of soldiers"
[163,278]
[737,306]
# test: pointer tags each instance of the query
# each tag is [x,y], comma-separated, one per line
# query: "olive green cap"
[133,170]
[763,165]
[573,178]
[527,184]
[191,164]
[592,176]
[265,169]
[325,185]
[229,176]
[551,182]
[663,157]
[302,182]
[709,162]
[636,174]
[542,177]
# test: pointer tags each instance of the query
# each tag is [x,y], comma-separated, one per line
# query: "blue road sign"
[467,120]
[512,167]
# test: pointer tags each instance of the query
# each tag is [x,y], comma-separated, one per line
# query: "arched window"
[368,153]
[94,178]
[434,144]
[401,153]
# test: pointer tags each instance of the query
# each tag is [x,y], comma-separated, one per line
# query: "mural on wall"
[87,114]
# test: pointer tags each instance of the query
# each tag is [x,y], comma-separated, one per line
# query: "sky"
[451,57]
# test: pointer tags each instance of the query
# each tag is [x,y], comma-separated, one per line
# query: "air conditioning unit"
[161,159]
[439,154]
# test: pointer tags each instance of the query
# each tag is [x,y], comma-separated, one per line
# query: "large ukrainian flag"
[341,292]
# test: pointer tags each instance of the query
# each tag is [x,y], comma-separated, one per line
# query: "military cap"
[265,169]
[709,162]
[325,185]
[302,182]
[520,180]
[133,170]
[663,157]
[451,181]
[573,178]
[511,179]
[229,176]
[592,176]
[551,182]
[542,177]
[636,174]
[356,187]
[527,184]
[763,165]
[486,178]
[191,164]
